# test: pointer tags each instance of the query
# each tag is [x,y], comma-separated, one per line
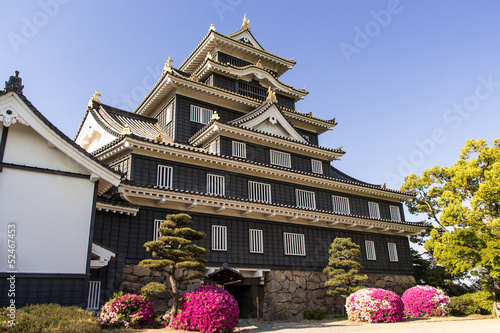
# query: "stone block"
[128,270]
[312,285]
[282,297]
[130,278]
[155,273]
[405,279]
[301,281]
[380,284]
[145,280]
[316,278]
[280,277]
[293,286]
[301,293]
[130,287]
[288,275]
[141,271]
[388,278]
[285,284]
[273,286]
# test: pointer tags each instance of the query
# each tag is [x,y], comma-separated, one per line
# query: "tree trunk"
[175,295]
[494,297]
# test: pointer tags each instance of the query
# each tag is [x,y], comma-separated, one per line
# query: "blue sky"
[407,81]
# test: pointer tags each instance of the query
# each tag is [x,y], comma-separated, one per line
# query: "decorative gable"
[247,37]
[269,119]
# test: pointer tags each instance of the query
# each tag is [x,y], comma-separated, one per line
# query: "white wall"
[92,136]
[52,214]
[26,147]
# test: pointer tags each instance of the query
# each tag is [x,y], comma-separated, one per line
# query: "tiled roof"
[132,183]
[59,133]
[115,120]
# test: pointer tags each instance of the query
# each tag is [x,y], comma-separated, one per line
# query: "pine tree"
[343,268]
[174,250]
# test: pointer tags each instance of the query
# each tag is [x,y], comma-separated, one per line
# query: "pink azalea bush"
[207,309]
[423,301]
[374,305]
[126,311]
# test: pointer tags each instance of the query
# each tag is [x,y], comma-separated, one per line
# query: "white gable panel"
[247,37]
[273,122]
[52,215]
[26,147]
[92,136]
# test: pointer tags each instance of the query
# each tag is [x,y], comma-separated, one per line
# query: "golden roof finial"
[159,138]
[168,66]
[246,23]
[208,56]
[94,99]
[258,64]
[212,28]
[194,78]
[271,96]
[126,130]
[215,116]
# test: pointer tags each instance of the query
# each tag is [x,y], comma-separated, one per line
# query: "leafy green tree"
[343,268]
[174,250]
[463,204]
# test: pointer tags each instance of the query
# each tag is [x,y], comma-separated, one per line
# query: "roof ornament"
[14,84]
[384,186]
[215,116]
[194,78]
[93,99]
[246,23]
[126,130]
[310,114]
[259,65]
[168,66]
[159,138]
[271,96]
[212,28]
[208,56]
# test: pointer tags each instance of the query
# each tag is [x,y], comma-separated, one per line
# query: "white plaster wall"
[27,147]
[86,134]
[52,214]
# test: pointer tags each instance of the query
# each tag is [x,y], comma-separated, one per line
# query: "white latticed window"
[295,244]
[317,166]
[239,149]
[374,210]
[94,295]
[219,238]
[259,191]
[395,214]
[280,158]
[256,241]
[169,114]
[393,252]
[156,228]
[216,184]
[341,204]
[164,176]
[370,250]
[213,147]
[200,115]
[305,199]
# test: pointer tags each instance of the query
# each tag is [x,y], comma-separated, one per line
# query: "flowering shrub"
[207,309]
[423,301]
[126,311]
[374,305]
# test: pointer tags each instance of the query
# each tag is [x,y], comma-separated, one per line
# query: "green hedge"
[50,318]
[469,304]
[314,314]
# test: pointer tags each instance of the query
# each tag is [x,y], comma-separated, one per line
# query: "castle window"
[219,238]
[374,210]
[295,244]
[317,166]
[256,241]
[281,159]
[168,114]
[200,115]
[164,176]
[370,250]
[305,199]
[213,147]
[94,295]
[259,191]
[239,149]
[393,251]
[156,229]
[216,184]
[340,204]
[395,214]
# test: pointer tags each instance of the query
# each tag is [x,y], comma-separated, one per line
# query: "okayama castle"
[218,138]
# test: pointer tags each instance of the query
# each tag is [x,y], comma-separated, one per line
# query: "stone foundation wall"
[135,277]
[289,293]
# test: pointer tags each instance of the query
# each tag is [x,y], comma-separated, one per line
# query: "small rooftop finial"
[168,66]
[94,99]
[208,56]
[258,64]
[271,96]
[215,116]
[126,130]
[14,84]
[246,23]
[212,28]
[159,138]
